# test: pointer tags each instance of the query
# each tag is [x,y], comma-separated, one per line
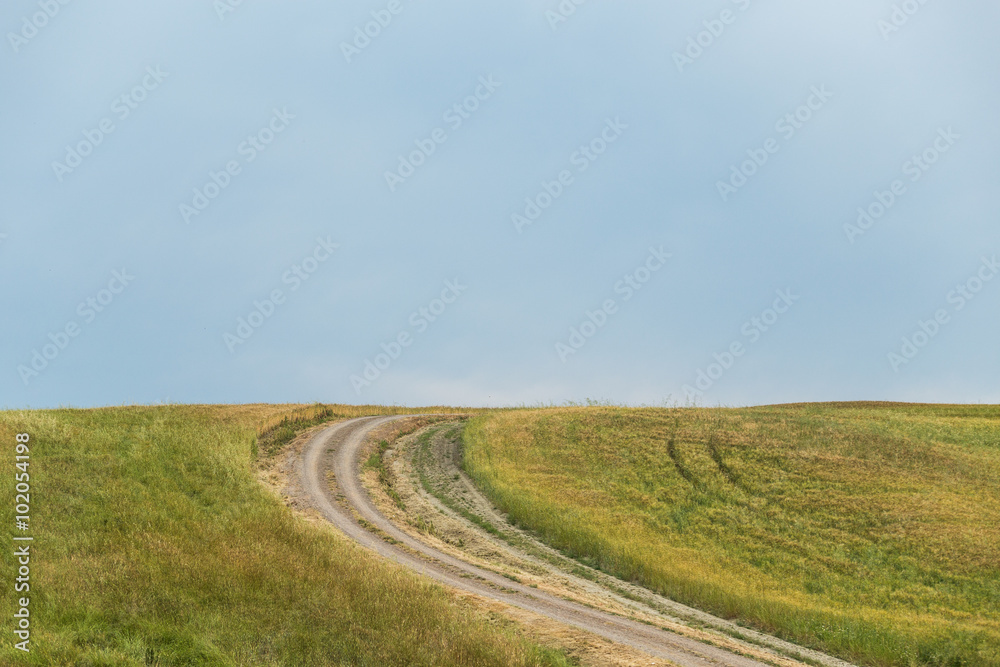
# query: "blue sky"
[635,202]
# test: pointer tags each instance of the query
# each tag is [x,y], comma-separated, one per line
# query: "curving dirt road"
[334,454]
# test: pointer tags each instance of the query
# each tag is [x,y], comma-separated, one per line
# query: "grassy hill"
[155,545]
[869,530]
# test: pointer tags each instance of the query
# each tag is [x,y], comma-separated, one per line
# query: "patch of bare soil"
[278,475]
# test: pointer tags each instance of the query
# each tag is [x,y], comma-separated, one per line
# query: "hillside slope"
[155,545]
[869,531]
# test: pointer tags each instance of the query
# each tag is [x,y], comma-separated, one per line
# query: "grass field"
[156,545]
[871,531]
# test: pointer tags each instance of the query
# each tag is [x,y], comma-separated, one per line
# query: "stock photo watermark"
[265,308]
[22,552]
[420,321]
[455,116]
[915,168]
[899,17]
[88,310]
[364,34]
[787,126]
[958,298]
[581,159]
[715,28]
[562,13]
[32,24]
[224,8]
[752,330]
[122,107]
[249,150]
[595,320]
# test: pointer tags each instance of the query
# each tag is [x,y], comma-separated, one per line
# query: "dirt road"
[332,458]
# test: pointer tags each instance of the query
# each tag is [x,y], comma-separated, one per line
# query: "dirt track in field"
[509,567]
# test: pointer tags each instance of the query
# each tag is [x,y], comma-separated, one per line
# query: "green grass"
[156,545]
[867,530]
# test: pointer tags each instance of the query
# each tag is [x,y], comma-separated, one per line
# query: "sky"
[730,202]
